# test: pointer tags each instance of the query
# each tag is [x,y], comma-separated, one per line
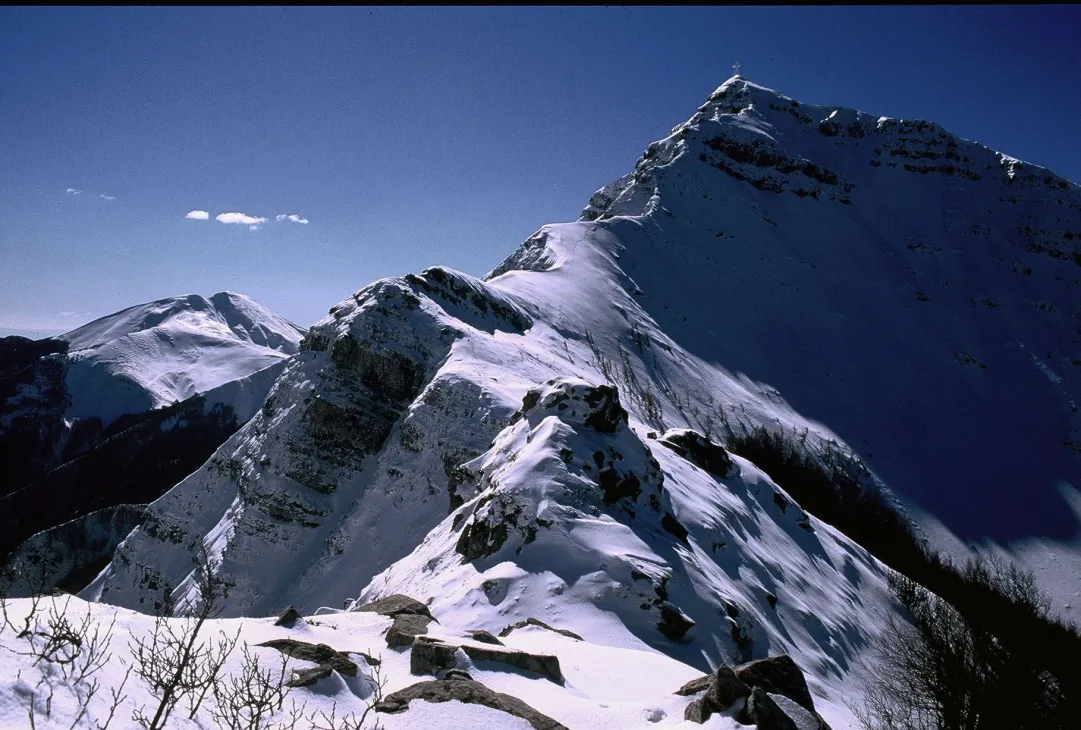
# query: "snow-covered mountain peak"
[550,441]
[170,349]
[766,139]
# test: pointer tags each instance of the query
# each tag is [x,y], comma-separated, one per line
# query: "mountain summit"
[117,411]
[548,440]
[166,351]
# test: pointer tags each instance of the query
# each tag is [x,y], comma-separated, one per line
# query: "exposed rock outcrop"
[431,656]
[698,449]
[777,675]
[766,714]
[406,628]
[289,618]
[537,622]
[469,692]
[396,605]
[327,660]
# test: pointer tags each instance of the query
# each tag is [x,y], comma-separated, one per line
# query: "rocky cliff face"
[120,410]
[548,441]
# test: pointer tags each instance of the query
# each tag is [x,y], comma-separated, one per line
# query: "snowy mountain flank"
[93,418]
[159,353]
[540,455]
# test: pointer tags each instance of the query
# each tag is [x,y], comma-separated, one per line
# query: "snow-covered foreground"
[614,682]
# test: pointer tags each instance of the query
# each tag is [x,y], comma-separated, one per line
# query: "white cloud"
[73,191]
[198,215]
[103,196]
[250,221]
[292,217]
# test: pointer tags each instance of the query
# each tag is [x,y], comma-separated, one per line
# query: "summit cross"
[735,68]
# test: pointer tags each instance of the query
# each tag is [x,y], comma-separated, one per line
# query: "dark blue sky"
[410,137]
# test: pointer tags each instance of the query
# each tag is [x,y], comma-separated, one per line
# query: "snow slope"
[879,285]
[605,687]
[166,351]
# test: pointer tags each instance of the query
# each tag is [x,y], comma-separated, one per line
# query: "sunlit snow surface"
[166,351]
[606,687]
[773,261]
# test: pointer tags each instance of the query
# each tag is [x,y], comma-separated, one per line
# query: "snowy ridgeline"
[547,442]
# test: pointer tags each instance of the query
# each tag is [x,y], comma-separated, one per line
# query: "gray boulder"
[537,622]
[485,637]
[545,664]
[406,628]
[779,675]
[289,618]
[467,691]
[722,691]
[766,714]
[396,605]
[431,656]
[327,660]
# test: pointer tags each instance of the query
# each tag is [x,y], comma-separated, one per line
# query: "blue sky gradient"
[411,137]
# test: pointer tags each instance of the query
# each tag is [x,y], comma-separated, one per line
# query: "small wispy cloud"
[74,191]
[251,221]
[198,215]
[293,217]
[103,196]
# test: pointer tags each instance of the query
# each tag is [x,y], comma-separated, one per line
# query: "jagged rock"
[695,447]
[406,627]
[762,711]
[457,674]
[325,657]
[597,405]
[725,688]
[545,664]
[607,413]
[308,677]
[537,622]
[696,712]
[289,618]
[695,686]
[396,605]
[722,690]
[779,675]
[431,656]
[485,637]
[673,624]
[470,692]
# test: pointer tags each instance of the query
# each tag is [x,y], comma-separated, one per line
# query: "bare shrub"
[68,652]
[174,662]
[249,701]
[972,668]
